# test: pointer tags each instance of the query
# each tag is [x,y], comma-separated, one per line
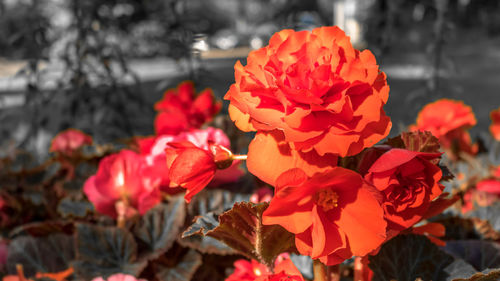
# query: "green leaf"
[182,271]
[160,226]
[40,254]
[194,237]
[241,228]
[408,257]
[103,251]
[479,253]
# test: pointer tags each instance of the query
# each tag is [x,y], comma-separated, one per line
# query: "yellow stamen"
[327,199]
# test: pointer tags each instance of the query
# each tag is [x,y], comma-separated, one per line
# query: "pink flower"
[125,178]
[68,141]
[119,277]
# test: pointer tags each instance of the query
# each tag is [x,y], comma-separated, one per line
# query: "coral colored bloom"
[192,167]
[153,150]
[180,110]
[68,141]
[409,181]
[495,124]
[123,177]
[448,120]
[316,89]
[119,277]
[334,214]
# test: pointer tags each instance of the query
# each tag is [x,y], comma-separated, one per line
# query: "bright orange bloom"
[448,120]
[334,214]
[315,89]
[180,110]
[409,182]
[495,124]
[69,140]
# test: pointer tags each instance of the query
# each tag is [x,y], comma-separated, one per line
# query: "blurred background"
[99,65]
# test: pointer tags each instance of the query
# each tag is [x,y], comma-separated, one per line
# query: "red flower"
[179,110]
[192,167]
[495,124]
[314,87]
[153,150]
[334,214]
[409,181]
[122,177]
[448,120]
[68,141]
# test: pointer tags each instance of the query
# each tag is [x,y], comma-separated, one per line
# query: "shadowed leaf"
[194,237]
[159,227]
[479,253]
[182,271]
[103,251]
[40,254]
[214,200]
[408,257]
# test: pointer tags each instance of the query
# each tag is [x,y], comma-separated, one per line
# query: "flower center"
[327,199]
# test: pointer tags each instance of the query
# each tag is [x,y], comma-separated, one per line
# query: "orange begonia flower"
[495,124]
[448,120]
[409,181]
[320,93]
[334,214]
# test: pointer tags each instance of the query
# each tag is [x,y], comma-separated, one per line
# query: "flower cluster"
[181,156]
[314,101]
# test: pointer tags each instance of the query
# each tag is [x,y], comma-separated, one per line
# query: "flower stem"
[333,273]
[358,269]
[319,270]
[239,157]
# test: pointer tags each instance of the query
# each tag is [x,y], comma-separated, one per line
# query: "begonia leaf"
[103,251]
[69,208]
[193,236]
[492,275]
[43,228]
[160,226]
[489,213]
[479,253]
[420,141]
[241,228]
[408,257]
[52,253]
[183,270]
